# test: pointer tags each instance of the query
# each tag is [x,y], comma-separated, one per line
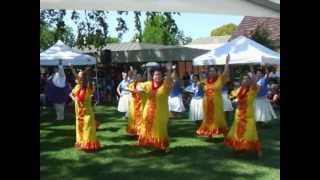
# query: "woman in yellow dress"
[214,122]
[85,119]
[243,133]
[154,127]
[137,102]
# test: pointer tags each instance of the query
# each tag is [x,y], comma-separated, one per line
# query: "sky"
[194,25]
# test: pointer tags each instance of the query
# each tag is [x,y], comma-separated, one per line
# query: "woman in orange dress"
[243,133]
[154,127]
[214,122]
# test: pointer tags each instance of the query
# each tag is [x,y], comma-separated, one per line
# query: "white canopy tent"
[60,51]
[263,8]
[242,50]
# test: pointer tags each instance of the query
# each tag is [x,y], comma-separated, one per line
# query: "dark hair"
[196,75]
[261,70]
[154,69]
[213,68]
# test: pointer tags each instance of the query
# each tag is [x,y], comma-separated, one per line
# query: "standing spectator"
[58,91]
[274,97]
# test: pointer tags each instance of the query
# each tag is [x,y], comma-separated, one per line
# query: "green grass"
[120,158]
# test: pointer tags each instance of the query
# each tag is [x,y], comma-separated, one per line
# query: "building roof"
[250,23]
[211,40]
[133,46]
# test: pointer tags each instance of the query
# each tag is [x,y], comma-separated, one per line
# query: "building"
[250,23]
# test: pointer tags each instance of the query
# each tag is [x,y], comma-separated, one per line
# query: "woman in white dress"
[196,104]
[263,108]
[124,94]
[175,99]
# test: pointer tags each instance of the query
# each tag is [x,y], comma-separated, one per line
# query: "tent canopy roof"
[242,51]
[262,8]
[60,51]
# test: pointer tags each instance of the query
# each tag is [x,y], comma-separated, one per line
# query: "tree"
[262,36]
[50,35]
[161,29]
[53,28]
[46,36]
[112,40]
[137,22]
[154,31]
[92,27]
[227,29]
[182,39]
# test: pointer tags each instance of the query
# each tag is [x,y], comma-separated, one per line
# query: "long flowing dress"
[85,120]
[137,102]
[154,127]
[243,133]
[263,107]
[123,104]
[196,104]
[214,122]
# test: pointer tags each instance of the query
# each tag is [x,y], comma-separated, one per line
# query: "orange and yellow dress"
[214,122]
[85,120]
[154,127]
[243,133]
[136,109]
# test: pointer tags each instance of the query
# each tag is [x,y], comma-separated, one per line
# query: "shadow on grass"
[121,157]
[215,140]
[135,163]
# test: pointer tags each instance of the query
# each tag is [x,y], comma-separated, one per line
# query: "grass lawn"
[190,157]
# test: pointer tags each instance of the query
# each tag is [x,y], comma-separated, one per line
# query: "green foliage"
[154,30]
[262,36]
[50,35]
[112,40]
[227,29]
[162,29]
[92,28]
[46,37]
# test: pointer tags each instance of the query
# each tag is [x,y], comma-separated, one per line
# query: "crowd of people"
[149,101]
